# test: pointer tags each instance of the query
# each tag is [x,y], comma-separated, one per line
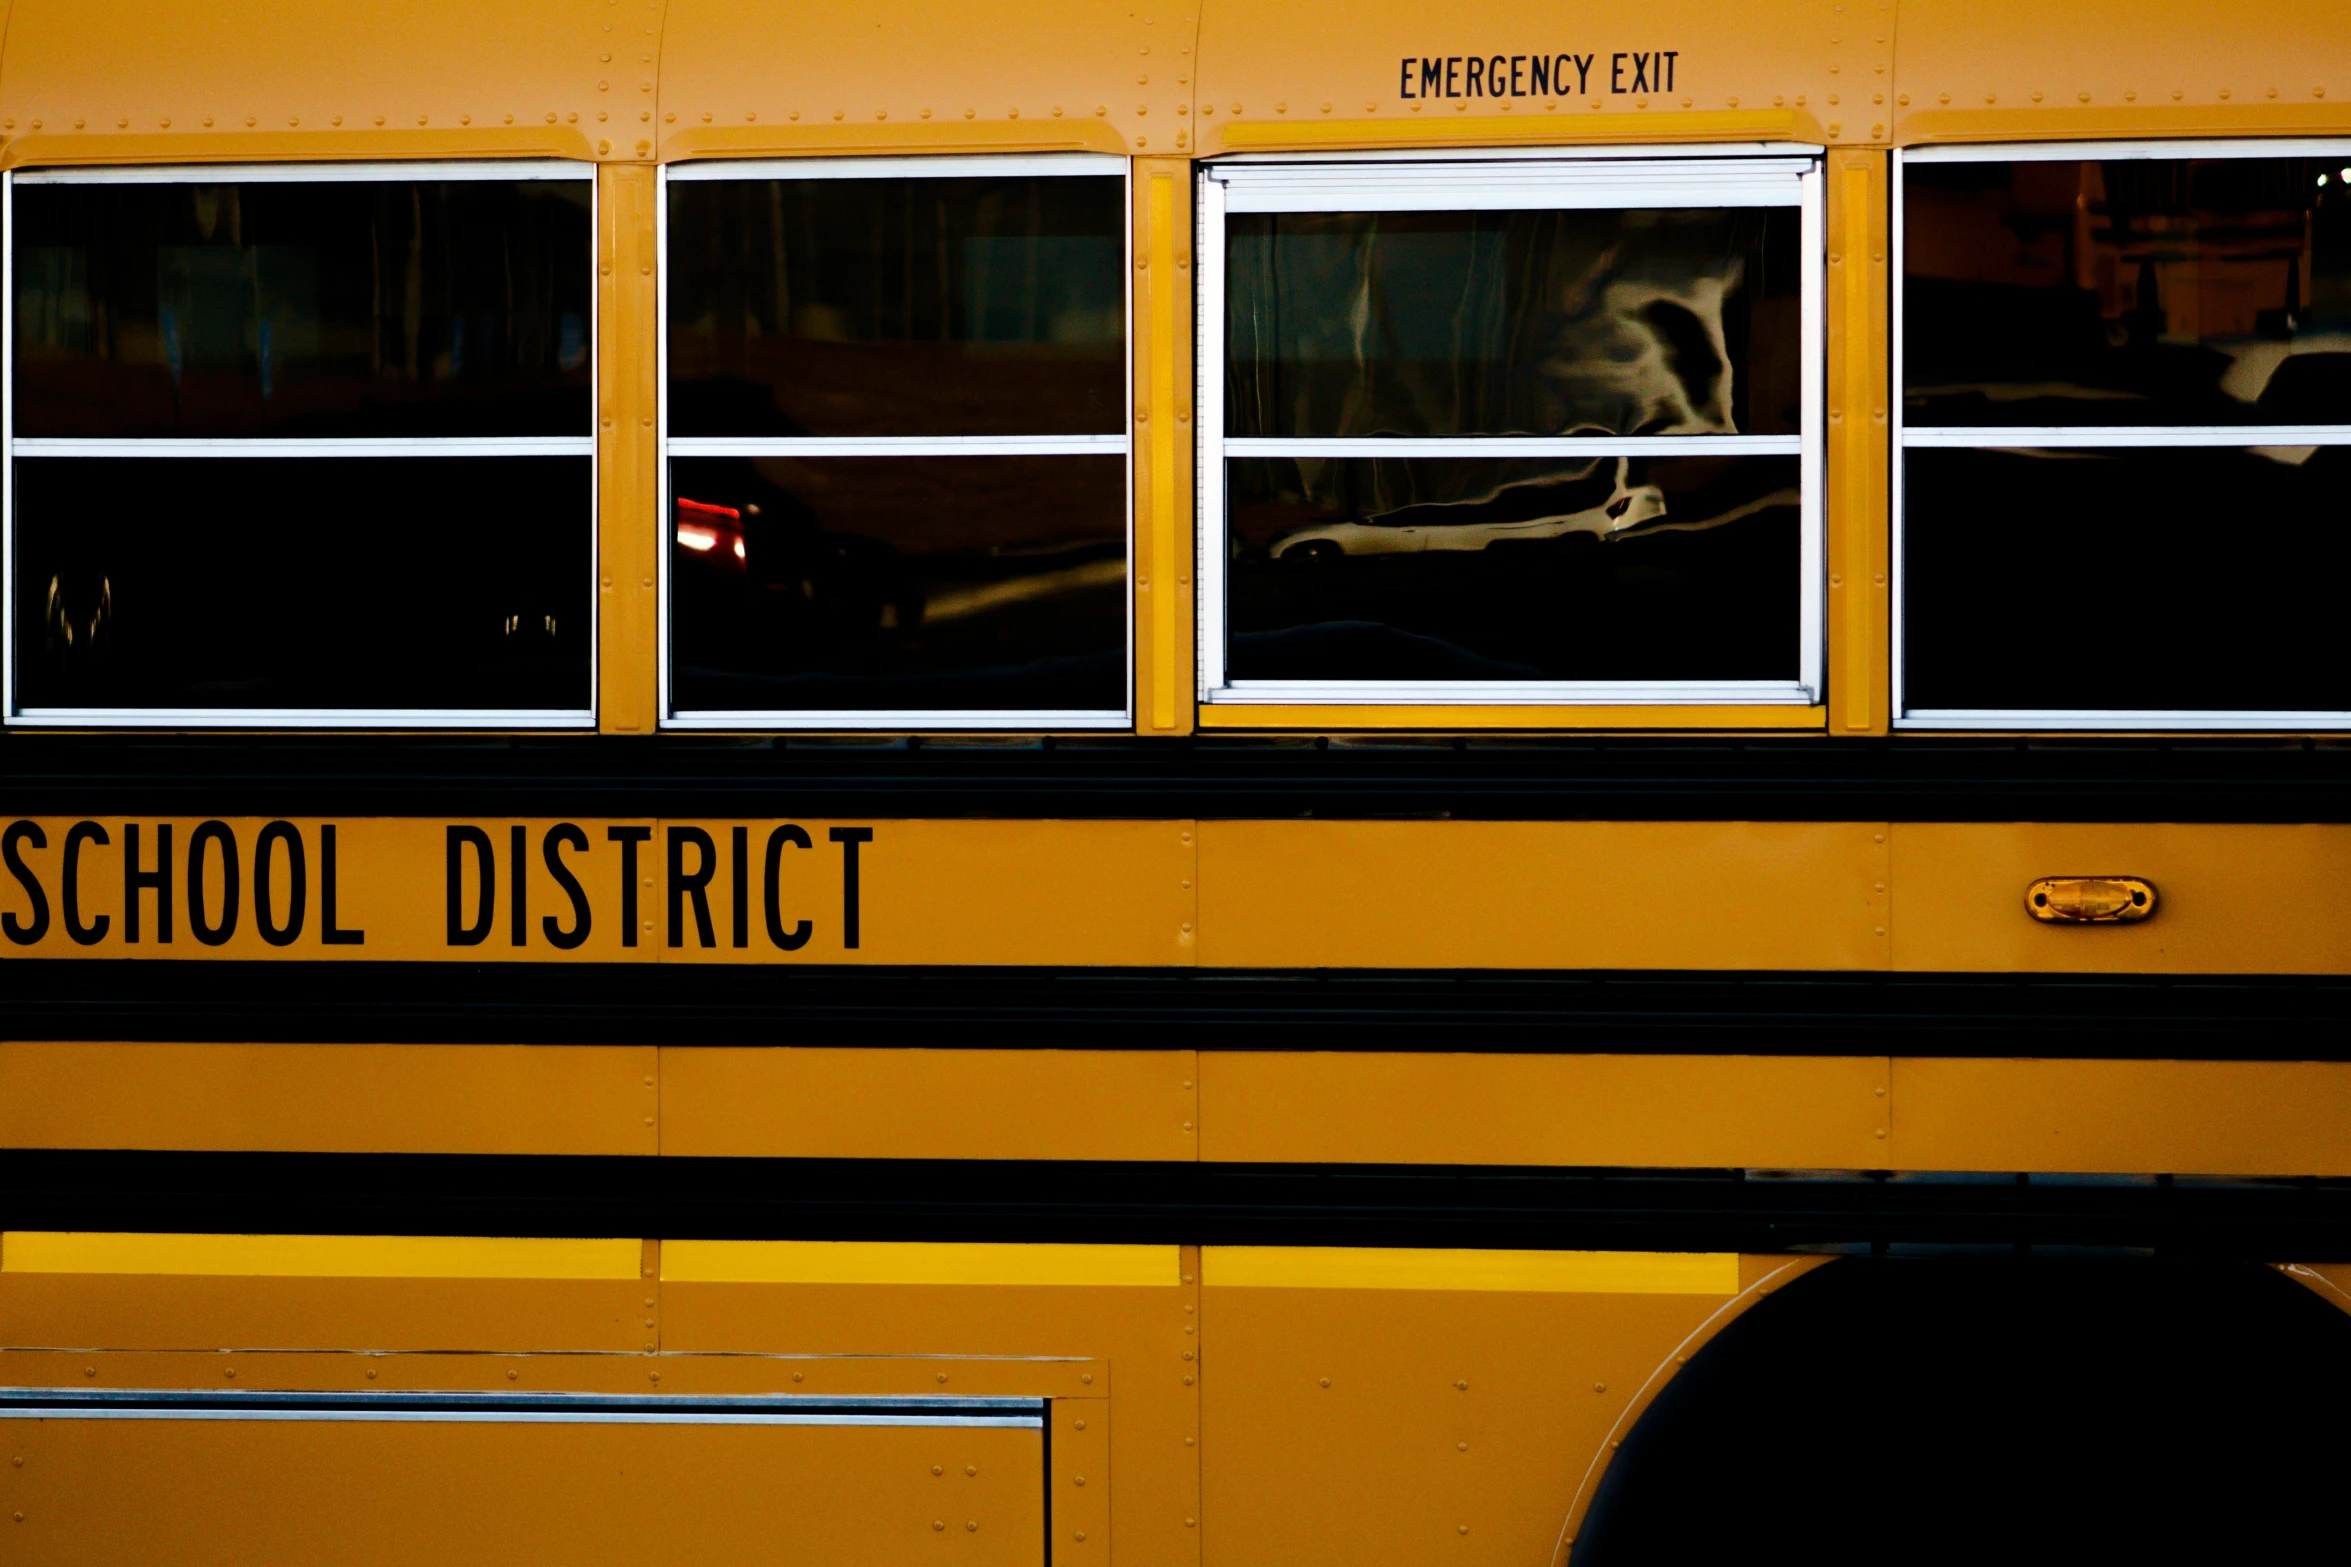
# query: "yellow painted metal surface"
[1525,1272]
[1633,1111]
[1971,71]
[1165,441]
[1859,432]
[1272,1107]
[827,1103]
[2236,900]
[628,473]
[403,889]
[1542,895]
[447,1492]
[143,81]
[1282,77]
[318,1256]
[1028,76]
[2250,1118]
[444,1099]
[918,1262]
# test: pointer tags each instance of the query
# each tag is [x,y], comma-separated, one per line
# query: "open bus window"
[1527,431]
[293,447]
[897,444]
[2126,398]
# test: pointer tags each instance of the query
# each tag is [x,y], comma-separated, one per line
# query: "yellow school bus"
[1182,783]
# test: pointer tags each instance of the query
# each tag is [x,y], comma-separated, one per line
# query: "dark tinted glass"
[458,583]
[898,583]
[2140,291]
[328,309]
[986,306]
[1513,323]
[2175,578]
[1514,569]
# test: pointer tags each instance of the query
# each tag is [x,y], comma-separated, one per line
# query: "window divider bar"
[271,446]
[897,445]
[2009,438]
[1517,446]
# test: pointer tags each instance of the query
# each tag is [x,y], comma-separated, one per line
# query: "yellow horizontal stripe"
[923,1262]
[1551,1272]
[1704,125]
[1438,720]
[320,1256]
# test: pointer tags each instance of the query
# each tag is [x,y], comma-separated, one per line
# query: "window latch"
[2090,900]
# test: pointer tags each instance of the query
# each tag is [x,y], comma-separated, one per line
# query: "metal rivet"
[938,1523]
[938,1469]
[798,1376]
[1086,1377]
[371,1376]
[1081,1425]
[1599,1387]
[511,1374]
[1191,1523]
[1078,1480]
[1326,1381]
[1461,1446]
[1464,1528]
[973,1469]
[1187,1381]
[971,1526]
[1081,1534]
[942,1376]
[1462,1386]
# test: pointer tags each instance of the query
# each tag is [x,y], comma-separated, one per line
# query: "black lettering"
[1432,78]
[1404,80]
[1498,76]
[695,885]
[135,880]
[1641,73]
[739,887]
[199,895]
[628,838]
[462,838]
[849,838]
[1452,76]
[1539,75]
[69,888]
[331,934]
[561,836]
[797,937]
[1616,73]
[25,932]
[1669,57]
[518,912]
[297,884]
[1583,72]
[1475,77]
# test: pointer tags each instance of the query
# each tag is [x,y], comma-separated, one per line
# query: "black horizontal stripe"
[1790,778]
[1204,1204]
[1795,1013]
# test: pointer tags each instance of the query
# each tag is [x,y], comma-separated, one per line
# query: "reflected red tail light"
[1619,506]
[687,508]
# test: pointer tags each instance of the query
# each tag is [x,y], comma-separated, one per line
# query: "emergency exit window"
[301,447]
[1522,431]
[2125,436]
[897,444]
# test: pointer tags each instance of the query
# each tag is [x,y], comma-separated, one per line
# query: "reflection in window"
[1643,322]
[294,447]
[897,445]
[2126,388]
[1489,434]
[308,308]
[977,305]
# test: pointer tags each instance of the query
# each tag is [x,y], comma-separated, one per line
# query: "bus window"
[292,447]
[1530,431]
[897,444]
[2126,418]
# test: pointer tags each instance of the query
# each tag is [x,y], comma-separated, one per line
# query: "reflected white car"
[1415,529]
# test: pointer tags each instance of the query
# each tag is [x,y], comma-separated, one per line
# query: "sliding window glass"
[2125,436]
[897,444]
[301,446]
[1530,431]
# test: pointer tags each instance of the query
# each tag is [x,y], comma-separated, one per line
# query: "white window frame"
[949,720]
[2077,437]
[1748,174]
[584,445]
